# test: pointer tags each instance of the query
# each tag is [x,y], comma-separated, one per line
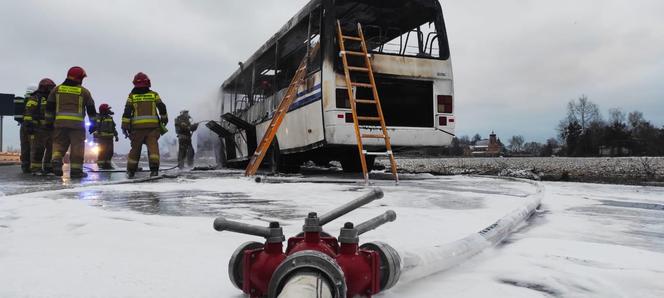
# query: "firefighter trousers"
[41,151]
[149,137]
[63,139]
[26,140]
[185,151]
[105,153]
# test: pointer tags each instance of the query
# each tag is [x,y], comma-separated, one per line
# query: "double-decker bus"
[410,56]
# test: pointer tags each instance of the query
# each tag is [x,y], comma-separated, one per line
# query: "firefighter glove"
[116,138]
[164,120]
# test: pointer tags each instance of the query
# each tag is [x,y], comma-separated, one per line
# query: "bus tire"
[282,163]
[351,163]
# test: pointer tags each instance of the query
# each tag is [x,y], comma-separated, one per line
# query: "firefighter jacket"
[141,110]
[105,127]
[67,105]
[183,126]
[19,109]
[35,108]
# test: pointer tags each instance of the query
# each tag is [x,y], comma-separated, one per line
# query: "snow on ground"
[621,170]
[156,239]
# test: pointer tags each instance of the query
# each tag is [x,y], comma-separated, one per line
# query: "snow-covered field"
[621,170]
[156,239]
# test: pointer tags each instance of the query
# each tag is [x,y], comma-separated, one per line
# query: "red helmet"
[46,84]
[77,74]
[104,108]
[141,80]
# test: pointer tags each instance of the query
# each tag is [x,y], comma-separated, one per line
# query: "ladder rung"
[365,85]
[365,101]
[352,38]
[365,118]
[353,53]
[388,153]
[373,136]
[355,68]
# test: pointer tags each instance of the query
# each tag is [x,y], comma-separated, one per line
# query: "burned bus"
[410,56]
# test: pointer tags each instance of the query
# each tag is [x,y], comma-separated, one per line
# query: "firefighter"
[142,125]
[184,129]
[26,130]
[35,118]
[104,136]
[65,111]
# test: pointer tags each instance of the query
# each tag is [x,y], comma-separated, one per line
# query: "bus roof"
[314,4]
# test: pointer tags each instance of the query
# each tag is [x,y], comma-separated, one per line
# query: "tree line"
[583,132]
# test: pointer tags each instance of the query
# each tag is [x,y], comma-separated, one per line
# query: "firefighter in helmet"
[26,129]
[184,129]
[65,111]
[144,115]
[35,118]
[104,136]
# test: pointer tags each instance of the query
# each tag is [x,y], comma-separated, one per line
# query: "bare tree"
[648,167]
[616,116]
[476,138]
[583,111]
[635,119]
[516,143]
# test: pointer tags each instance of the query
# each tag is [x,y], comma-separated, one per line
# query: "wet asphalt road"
[13,181]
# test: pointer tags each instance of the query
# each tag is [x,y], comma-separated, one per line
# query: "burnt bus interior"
[392,27]
[273,70]
[401,28]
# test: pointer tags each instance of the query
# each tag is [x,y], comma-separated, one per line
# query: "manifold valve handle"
[367,198]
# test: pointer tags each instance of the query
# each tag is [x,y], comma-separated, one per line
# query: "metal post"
[2,120]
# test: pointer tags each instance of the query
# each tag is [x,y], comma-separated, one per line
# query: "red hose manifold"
[349,270]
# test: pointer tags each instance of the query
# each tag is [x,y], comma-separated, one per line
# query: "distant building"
[486,147]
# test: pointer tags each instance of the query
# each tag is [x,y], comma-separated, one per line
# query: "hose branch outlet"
[272,234]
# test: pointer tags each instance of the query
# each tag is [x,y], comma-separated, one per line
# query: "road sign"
[6,104]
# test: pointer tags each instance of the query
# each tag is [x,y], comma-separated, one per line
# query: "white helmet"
[31,89]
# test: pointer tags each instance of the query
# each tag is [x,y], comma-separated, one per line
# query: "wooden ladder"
[367,69]
[279,114]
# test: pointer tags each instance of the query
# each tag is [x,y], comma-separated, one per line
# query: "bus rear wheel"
[283,163]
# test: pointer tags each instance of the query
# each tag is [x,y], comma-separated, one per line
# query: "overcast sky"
[516,62]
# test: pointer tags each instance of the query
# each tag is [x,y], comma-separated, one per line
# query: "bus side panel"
[301,128]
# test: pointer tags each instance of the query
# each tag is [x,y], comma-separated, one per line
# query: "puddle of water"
[637,205]
[186,203]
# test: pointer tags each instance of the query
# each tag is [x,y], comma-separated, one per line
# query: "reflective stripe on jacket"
[71,104]
[144,112]
[105,127]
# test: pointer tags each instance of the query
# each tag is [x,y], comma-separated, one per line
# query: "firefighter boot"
[78,174]
[57,168]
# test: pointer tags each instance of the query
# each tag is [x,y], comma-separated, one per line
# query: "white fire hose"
[424,262]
